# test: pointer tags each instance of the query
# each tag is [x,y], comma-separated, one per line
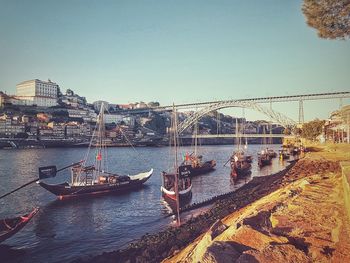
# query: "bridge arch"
[273,115]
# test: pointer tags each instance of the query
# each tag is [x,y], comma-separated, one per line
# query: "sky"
[173,51]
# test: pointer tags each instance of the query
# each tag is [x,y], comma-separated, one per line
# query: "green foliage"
[331,18]
[312,129]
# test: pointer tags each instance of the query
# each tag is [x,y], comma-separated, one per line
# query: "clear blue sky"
[171,51]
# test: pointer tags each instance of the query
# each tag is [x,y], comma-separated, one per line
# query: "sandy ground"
[305,220]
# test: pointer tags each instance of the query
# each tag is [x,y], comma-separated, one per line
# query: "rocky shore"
[248,225]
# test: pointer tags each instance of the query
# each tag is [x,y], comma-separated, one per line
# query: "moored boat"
[284,154]
[271,153]
[180,180]
[239,161]
[176,186]
[106,183]
[95,178]
[198,166]
[264,158]
[240,167]
[10,226]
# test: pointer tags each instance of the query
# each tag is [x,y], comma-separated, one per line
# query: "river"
[65,230]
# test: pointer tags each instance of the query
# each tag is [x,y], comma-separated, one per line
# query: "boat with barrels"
[264,158]
[240,165]
[197,165]
[88,179]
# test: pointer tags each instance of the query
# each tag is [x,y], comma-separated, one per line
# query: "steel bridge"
[251,103]
[240,135]
[300,97]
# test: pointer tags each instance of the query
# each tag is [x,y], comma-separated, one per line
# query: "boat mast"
[195,138]
[237,142]
[243,129]
[175,135]
[100,143]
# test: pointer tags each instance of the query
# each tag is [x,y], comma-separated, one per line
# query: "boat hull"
[65,190]
[264,160]
[206,167]
[9,227]
[240,172]
[170,197]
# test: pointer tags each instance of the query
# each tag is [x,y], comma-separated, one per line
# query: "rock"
[220,252]
[260,222]
[276,253]
[217,228]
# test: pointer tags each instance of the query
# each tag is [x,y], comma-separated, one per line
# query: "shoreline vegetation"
[250,224]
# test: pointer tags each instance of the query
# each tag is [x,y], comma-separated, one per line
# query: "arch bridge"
[275,116]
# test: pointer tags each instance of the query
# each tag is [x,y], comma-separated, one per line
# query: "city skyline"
[172,52]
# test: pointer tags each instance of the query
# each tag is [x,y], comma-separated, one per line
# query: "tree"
[312,129]
[331,18]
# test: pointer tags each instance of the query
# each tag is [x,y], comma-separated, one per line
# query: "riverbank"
[156,247]
[305,220]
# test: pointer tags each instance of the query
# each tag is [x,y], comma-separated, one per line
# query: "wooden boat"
[240,162]
[266,154]
[106,183]
[93,179]
[272,153]
[264,158]
[184,185]
[240,167]
[197,166]
[241,155]
[284,154]
[10,226]
[176,186]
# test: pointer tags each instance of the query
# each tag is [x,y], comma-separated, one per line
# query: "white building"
[87,115]
[110,118]
[37,92]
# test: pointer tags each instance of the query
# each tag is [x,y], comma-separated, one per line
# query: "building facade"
[38,92]
[11,128]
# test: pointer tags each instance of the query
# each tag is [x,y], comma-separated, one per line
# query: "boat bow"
[142,176]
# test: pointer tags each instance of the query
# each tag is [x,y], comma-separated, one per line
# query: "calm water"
[65,230]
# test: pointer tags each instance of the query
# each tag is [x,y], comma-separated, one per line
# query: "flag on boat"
[47,171]
[186,157]
[99,157]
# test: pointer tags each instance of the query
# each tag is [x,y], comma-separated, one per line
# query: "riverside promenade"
[301,214]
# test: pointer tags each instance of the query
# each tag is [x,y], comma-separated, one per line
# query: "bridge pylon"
[301,111]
